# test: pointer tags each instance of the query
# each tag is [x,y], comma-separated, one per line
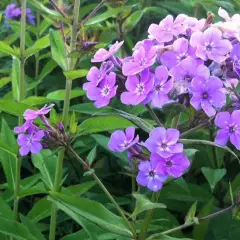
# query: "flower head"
[210,45]
[138,88]
[30,142]
[207,94]
[235,56]
[167,28]
[164,142]
[149,175]
[121,141]
[13,12]
[142,58]
[181,50]
[34,114]
[173,166]
[229,125]
[185,71]
[103,55]
[103,93]
[162,86]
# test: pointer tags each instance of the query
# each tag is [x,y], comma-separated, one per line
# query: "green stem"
[99,182]
[68,87]
[157,235]
[21,96]
[147,219]
[153,114]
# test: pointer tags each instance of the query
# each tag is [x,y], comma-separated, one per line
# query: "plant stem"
[99,182]
[68,88]
[94,11]
[196,128]
[59,7]
[192,223]
[154,116]
[21,96]
[147,218]
[37,54]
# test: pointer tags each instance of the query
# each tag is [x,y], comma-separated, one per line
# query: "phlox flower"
[164,142]
[149,175]
[229,125]
[207,94]
[121,141]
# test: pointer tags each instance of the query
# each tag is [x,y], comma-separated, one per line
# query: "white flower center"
[140,89]
[105,91]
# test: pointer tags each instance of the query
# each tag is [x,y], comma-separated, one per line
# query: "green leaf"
[39,188]
[171,238]
[74,74]
[60,94]
[200,230]
[143,204]
[5,210]
[132,20]
[190,153]
[46,162]
[88,108]
[12,107]
[40,44]
[15,78]
[8,151]
[103,123]
[141,123]
[4,81]
[92,155]
[48,68]
[15,229]
[42,209]
[205,142]
[54,14]
[31,226]
[213,176]
[106,15]
[5,48]
[34,100]
[191,214]
[58,49]
[78,208]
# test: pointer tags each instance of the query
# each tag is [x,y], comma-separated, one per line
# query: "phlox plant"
[176,88]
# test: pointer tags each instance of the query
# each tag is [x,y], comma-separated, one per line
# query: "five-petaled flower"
[149,175]
[121,141]
[229,125]
[164,142]
[30,114]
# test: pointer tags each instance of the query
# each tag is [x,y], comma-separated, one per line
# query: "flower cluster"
[164,157]
[183,60]
[13,12]
[32,138]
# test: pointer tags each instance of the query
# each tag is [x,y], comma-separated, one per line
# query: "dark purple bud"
[106,67]
[61,127]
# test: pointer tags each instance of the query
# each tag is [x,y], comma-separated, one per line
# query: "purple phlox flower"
[28,125]
[181,50]
[193,24]
[224,14]
[138,87]
[30,142]
[229,125]
[167,28]
[142,58]
[164,142]
[185,71]
[207,94]
[95,75]
[121,141]
[235,56]
[103,55]
[162,86]
[148,175]
[30,16]
[174,166]
[210,45]
[13,12]
[30,114]
[103,93]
